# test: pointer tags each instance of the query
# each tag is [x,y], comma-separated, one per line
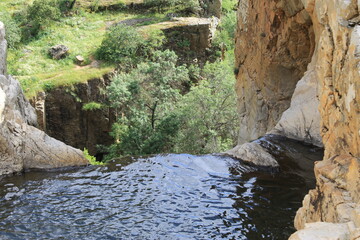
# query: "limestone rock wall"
[22,146]
[274,44]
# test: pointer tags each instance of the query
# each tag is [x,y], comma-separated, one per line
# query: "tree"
[145,100]
[210,119]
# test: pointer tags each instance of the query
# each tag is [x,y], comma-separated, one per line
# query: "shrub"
[209,112]
[127,46]
[13,32]
[162,4]
[38,16]
[120,44]
[92,106]
[226,35]
[41,12]
[91,159]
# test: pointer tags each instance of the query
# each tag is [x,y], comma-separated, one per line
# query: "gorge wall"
[23,146]
[303,56]
[65,118]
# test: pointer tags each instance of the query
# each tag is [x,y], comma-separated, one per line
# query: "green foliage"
[92,106]
[39,15]
[145,99]
[163,4]
[209,112]
[47,86]
[127,46]
[185,43]
[225,38]
[13,32]
[41,12]
[91,159]
[229,5]
[66,5]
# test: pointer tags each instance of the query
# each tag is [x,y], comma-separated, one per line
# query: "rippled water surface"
[161,197]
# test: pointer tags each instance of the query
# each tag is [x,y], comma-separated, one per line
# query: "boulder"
[322,231]
[79,59]
[253,153]
[301,121]
[59,51]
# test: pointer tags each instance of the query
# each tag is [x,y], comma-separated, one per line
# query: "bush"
[41,12]
[38,15]
[121,44]
[92,106]
[127,46]
[162,4]
[13,32]
[91,159]
[226,35]
[210,120]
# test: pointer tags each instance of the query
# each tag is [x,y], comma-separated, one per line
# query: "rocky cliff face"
[65,119]
[274,44]
[317,42]
[22,146]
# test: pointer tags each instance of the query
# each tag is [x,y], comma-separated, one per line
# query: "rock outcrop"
[22,146]
[275,42]
[255,154]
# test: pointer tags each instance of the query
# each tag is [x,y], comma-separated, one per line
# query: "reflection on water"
[162,197]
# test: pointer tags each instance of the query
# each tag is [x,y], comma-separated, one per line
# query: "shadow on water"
[161,197]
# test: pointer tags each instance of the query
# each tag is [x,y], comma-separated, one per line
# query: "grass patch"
[81,33]
[45,81]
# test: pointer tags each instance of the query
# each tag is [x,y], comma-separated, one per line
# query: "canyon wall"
[23,146]
[274,45]
[303,56]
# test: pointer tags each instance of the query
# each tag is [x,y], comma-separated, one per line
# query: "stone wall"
[22,146]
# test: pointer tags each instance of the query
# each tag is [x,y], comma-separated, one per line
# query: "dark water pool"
[162,197]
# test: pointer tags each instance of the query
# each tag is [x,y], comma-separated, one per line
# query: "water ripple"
[162,197]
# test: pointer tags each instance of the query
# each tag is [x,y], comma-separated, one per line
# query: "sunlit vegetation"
[161,105]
